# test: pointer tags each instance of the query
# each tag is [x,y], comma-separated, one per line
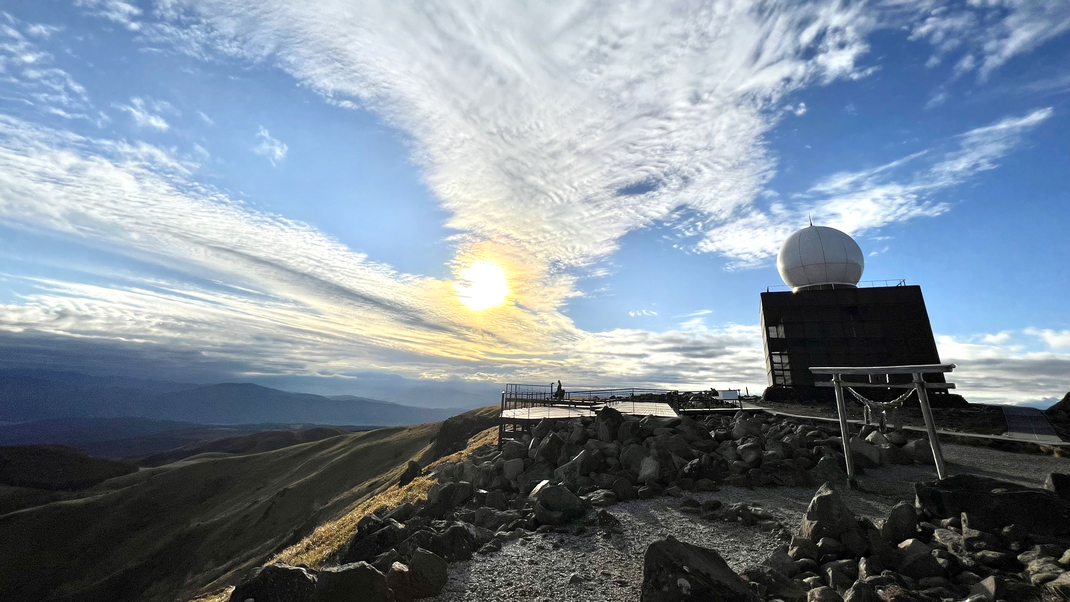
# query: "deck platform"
[561,412]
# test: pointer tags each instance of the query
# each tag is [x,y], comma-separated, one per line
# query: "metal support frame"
[930,425]
[918,373]
[844,433]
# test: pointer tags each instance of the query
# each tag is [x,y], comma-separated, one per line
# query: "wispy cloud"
[266,146]
[29,74]
[118,11]
[146,112]
[553,150]
[261,294]
[985,35]
[861,201]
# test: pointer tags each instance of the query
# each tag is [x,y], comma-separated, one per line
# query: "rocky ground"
[660,509]
[608,565]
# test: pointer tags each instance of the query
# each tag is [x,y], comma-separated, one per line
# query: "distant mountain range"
[33,395]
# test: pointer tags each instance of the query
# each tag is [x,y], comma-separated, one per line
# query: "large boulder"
[607,424]
[556,505]
[751,453]
[920,450]
[892,454]
[993,504]
[338,584]
[276,583]
[366,547]
[632,456]
[674,571]
[425,576]
[827,516]
[693,429]
[582,465]
[550,449]
[777,584]
[456,542]
[538,472]
[412,470]
[865,454]
[513,449]
[512,468]
[1059,483]
[649,470]
[902,523]
[748,427]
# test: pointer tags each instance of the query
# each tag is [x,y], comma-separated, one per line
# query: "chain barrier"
[881,408]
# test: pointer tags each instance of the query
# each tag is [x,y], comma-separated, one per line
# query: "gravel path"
[538,567]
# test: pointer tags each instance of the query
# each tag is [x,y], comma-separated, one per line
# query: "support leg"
[930,426]
[842,411]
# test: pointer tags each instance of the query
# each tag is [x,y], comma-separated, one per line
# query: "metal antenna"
[811,219]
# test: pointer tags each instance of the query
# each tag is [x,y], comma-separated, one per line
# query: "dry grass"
[329,538]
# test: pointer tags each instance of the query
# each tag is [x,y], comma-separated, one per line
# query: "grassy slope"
[328,539]
[244,444]
[170,531]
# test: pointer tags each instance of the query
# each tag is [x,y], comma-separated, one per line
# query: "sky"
[295,193]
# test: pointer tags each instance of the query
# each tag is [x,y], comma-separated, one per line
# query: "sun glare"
[482,285]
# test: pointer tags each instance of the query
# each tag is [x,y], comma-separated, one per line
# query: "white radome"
[819,255]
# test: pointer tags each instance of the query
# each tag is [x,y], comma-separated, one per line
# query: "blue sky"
[287,192]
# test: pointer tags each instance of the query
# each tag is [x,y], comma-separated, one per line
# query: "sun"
[482,285]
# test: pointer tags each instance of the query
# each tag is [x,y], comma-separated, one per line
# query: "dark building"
[879,326]
[826,320]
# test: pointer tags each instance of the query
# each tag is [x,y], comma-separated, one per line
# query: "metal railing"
[863,284]
[520,403]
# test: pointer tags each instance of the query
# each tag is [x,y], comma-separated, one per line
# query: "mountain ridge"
[27,396]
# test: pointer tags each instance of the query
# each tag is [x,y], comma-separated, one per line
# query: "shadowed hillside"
[172,530]
[244,444]
[55,467]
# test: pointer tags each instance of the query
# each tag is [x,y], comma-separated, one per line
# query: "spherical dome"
[819,255]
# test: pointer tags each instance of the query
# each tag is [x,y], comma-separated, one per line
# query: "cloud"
[258,293]
[546,131]
[556,149]
[117,11]
[145,112]
[861,201]
[988,33]
[205,118]
[30,76]
[1008,367]
[937,99]
[274,150]
[1054,339]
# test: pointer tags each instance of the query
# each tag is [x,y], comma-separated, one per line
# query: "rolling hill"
[253,443]
[181,529]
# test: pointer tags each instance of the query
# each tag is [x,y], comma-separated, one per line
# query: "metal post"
[930,425]
[501,422]
[842,411]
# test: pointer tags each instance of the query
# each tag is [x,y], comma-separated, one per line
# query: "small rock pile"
[548,480]
[971,538]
